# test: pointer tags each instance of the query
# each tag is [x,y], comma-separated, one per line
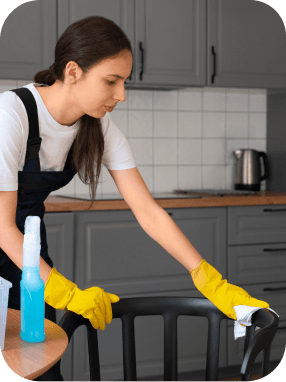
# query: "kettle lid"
[237,153]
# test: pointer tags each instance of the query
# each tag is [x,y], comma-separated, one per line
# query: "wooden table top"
[30,360]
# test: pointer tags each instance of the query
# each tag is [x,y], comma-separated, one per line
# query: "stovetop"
[217,192]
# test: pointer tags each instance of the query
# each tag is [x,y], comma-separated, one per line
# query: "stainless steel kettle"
[248,169]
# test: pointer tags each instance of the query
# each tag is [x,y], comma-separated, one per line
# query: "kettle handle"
[266,165]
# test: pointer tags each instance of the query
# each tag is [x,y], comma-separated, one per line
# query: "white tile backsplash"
[165,152]
[190,151]
[257,125]
[165,124]
[214,124]
[165,100]
[140,123]
[213,151]
[190,124]
[214,99]
[190,99]
[183,138]
[237,125]
[237,100]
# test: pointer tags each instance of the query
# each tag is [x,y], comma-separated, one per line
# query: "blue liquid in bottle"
[32,287]
[32,305]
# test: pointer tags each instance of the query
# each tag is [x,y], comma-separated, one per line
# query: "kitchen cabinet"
[28,39]
[172,35]
[176,44]
[115,253]
[257,263]
[249,42]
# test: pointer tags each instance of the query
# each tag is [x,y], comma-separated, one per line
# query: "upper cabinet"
[28,40]
[176,43]
[170,42]
[246,45]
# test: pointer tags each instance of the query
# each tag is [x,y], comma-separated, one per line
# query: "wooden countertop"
[58,204]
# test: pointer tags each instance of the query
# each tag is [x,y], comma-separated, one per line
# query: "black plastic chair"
[170,308]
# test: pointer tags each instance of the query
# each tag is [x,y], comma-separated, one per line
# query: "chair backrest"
[170,308]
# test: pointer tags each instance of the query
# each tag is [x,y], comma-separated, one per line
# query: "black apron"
[34,187]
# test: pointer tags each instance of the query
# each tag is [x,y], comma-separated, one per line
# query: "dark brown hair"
[87,42]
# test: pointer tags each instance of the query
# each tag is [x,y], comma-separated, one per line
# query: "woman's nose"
[120,95]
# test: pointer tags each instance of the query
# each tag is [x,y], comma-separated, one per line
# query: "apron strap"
[34,139]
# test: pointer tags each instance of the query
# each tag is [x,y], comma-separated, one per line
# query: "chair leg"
[246,377]
[265,363]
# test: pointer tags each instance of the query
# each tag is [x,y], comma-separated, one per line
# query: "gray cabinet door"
[113,252]
[28,40]
[250,44]
[60,240]
[172,35]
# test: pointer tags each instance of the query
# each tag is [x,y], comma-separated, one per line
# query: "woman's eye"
[111,83]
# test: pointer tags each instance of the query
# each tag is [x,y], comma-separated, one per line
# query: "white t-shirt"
[56,142]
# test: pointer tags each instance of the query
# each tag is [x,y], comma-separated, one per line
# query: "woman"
[93,59]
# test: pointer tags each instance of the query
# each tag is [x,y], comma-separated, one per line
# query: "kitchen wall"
[183,139]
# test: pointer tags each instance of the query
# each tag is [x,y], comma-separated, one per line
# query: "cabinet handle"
[273,289]
[142,60]
[214,64]
[274,250]
[271,210]
[170,213]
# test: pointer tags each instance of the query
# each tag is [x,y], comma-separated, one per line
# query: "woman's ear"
[72,72]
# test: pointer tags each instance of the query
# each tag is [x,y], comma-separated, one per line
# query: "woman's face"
[100,87]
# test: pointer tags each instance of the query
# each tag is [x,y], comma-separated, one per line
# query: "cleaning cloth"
[243,314]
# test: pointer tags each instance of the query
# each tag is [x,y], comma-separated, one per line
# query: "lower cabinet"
[109,249]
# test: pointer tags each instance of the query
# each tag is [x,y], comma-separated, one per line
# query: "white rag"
[243,314]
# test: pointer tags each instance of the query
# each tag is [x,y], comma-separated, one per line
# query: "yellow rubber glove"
[92,303]
[222,294]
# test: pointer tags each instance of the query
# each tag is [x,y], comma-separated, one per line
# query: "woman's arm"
[154,220]
[157,223]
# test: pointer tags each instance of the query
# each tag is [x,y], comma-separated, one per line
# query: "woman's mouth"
[109,108]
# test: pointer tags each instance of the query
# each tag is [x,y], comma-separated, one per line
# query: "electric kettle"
[248,169]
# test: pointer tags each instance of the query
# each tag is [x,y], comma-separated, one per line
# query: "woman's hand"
[222,294]
[92,303]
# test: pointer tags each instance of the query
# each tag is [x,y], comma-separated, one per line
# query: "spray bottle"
[31,285]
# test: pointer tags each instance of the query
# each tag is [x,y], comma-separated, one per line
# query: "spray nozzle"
[32,238]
